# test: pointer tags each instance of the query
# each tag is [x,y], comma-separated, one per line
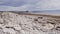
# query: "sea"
[51,12]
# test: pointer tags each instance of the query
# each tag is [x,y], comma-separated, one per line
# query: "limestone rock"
[14,23]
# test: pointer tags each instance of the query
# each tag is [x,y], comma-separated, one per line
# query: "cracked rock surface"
[13,23]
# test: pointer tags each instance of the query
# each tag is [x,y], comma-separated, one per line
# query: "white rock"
[24,24]
[48,26]
[11,31]
[1,25]
[17,27]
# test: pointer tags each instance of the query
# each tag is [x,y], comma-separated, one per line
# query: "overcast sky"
[31,5]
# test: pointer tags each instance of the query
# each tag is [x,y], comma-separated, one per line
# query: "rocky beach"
[14,23]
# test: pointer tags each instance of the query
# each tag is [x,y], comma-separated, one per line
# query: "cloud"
[31,5]
[17,2]
[49,5]
[19,8]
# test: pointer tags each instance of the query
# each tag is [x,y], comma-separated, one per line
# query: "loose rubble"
[13,23]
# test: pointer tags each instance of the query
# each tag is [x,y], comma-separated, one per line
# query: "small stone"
[35,19]
[17,27]
[58,28]
[40,17]
[11,31]
[48,26]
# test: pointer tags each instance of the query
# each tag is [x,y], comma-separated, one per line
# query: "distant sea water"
[50,12]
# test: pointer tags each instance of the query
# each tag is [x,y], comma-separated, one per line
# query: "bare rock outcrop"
[13,23]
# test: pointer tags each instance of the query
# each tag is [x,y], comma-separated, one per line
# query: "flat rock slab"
[14,23]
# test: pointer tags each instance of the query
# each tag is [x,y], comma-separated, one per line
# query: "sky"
[30,5]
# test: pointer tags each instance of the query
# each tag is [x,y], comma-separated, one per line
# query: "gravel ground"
[13,23]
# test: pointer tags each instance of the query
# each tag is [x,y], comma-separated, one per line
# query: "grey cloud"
[17,2]
[11,2]
[31,5]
